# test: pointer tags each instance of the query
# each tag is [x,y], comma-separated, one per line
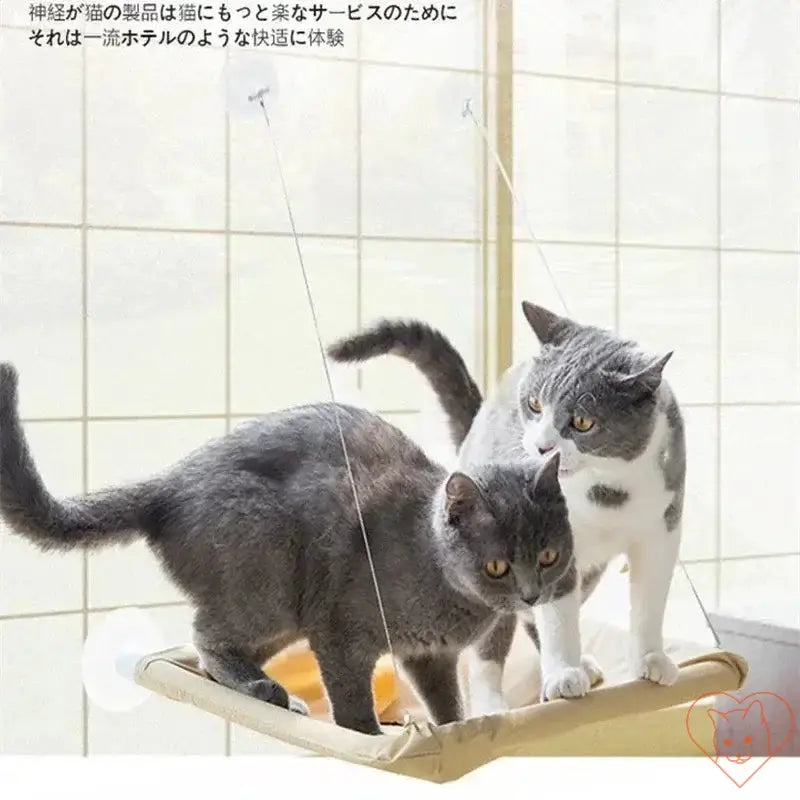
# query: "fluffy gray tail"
[101,518]
[435,357]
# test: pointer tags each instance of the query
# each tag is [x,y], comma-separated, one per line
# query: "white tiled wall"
[40,668]
[40,160]
[658,144]
[564,158]
[31,583]
[680,49]
[649,275]
[666,144]
[412,126]
[150,294]
[440,280]
[42,331]
[128,156]
[275,357]
[323,174]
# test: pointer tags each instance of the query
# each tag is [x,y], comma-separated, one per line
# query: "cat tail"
[435,357]
[103,518]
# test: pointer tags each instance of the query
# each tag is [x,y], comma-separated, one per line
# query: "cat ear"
[548,327]
[755,709]
[648,379]
[461,495]
[547,474]
[715,716]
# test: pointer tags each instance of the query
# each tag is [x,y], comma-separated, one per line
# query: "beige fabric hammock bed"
[620,717]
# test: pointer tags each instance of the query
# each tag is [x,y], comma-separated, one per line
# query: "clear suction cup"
[455,93]
[244,76]
[110,655]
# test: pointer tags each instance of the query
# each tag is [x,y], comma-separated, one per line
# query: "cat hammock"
[621,717]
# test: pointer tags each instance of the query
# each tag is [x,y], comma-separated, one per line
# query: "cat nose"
[530,599]
[544,449]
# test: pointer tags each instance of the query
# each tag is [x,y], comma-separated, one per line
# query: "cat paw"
[369,725]
[566,682]
[488,709]
[273,693]
[658,667]
[593,670]
[298,706]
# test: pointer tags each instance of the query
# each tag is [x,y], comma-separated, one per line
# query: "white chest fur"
[601,531]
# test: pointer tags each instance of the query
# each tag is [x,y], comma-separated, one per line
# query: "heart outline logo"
[755,702]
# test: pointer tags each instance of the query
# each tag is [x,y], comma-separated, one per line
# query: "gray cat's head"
[504,534]
[589,395]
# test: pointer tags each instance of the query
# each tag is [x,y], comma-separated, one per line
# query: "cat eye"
[748,739]
[727,743]
[497,569]
[548,557]
[582,424]
[534,405]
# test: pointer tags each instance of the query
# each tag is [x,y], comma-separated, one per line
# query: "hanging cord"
[259,96]
[468,112]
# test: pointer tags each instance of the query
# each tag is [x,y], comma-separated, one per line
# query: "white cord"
[323,355]
[518,201]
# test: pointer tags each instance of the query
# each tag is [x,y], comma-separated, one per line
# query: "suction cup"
[455,93]
[110,654]
[244,76]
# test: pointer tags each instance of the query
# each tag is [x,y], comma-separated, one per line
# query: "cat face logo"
[747,735]
[733,736]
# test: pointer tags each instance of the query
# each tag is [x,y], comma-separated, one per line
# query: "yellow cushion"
[297,670]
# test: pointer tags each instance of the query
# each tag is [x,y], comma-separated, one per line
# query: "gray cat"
[601,403]
[260,530]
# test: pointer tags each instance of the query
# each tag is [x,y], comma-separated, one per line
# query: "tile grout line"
[78,611]
[486,200]
[78,226]
[311,56]
[98,610]
[747,557]
[234,232]
[195,417]
[392,411]
[228,310]
[84,380]
[711,248]
[653,86]
[718,388]
[617,153]
[359,200]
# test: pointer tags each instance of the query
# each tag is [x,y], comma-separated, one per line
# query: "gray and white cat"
[259,528]
[601,403]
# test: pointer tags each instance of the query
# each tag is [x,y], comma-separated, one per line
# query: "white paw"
[657,667]
[592,669]
[297,705]
[566,682]
[487,708]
